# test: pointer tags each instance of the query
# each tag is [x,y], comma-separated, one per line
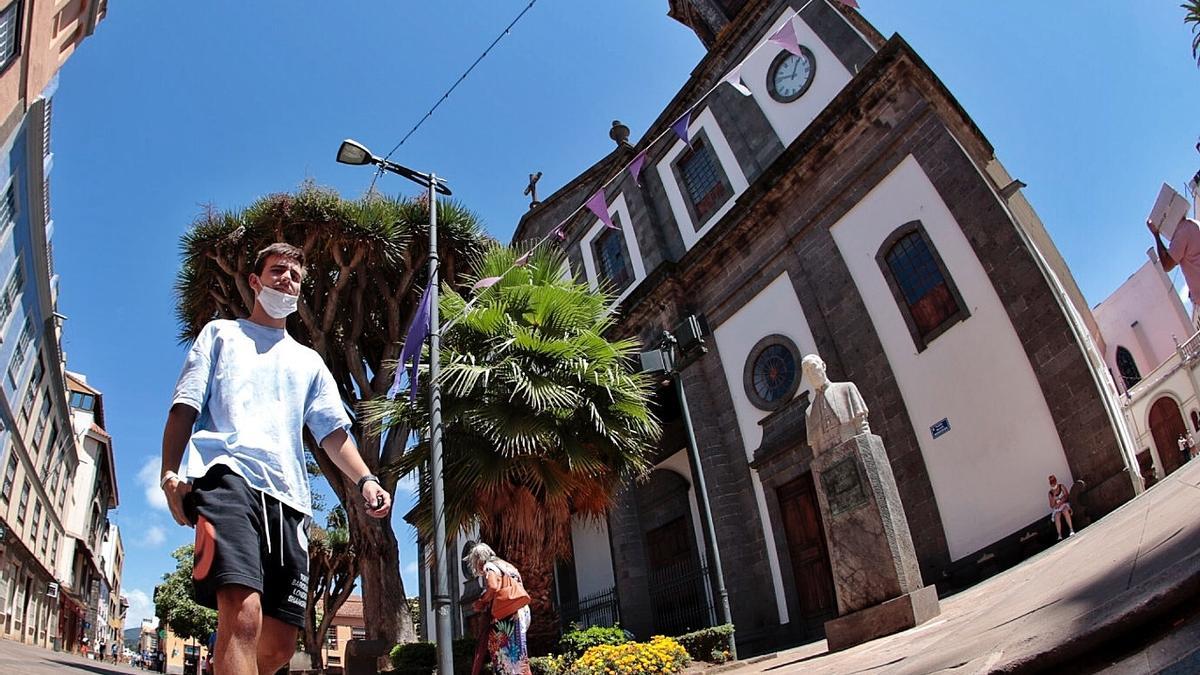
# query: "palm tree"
[1192,16]
[544,416]
[366,263]
[332,570]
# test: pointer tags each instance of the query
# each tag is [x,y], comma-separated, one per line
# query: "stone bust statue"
[837,412]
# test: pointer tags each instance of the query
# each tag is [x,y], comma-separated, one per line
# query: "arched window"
[927,296]
[1196,420]
[1128,367]
[613,269]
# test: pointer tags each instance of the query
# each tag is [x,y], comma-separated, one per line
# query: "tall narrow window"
[27,405]
[612,260]
[11,291]
[1130,374]
[21,506]
[8,208]
[37,522]
[704,183]
[10,21]
[20,351]
[926,295]
[10,473]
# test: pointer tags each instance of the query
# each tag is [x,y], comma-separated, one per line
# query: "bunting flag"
[635,167]
[850,3]
[484,283]
[599,206]
[786,37]
[734,79]
[680,127]
[418,330]
[523,260]
[560,232]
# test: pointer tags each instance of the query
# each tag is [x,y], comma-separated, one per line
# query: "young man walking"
[246,394]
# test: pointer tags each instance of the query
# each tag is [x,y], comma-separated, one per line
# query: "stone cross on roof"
[531,189]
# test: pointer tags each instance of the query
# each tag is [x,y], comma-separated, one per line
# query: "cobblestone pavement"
[21,659]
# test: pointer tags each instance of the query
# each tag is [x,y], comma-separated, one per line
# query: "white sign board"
[1168,210]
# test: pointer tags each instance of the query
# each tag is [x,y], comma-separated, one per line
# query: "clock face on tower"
[791,75]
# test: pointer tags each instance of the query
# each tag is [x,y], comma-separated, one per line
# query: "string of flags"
[785,37]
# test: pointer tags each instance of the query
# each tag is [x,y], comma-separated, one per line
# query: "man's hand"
[175,490]
[377,501]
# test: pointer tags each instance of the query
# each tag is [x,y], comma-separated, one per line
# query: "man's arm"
[1164,256]
[176,433]
[344,453]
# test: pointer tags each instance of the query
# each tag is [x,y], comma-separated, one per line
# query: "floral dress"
[506,642]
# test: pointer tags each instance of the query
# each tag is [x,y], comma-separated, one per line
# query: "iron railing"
[597,609]
[681,599]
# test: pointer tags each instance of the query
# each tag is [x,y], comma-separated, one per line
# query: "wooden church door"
[1167,425]
[806,549]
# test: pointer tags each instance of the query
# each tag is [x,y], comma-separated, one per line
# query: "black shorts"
[248,538]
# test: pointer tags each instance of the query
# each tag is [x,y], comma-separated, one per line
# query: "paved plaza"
[28,660]
[1118,597]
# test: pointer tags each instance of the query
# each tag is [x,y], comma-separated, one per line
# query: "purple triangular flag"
[734,79]
[849,3]
[680,127]
[484,283]
[786,37]
[599,206]
[418,330]
[635,167]
[560,232]
[523,260]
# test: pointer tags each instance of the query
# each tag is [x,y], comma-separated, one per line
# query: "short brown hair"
[279,248]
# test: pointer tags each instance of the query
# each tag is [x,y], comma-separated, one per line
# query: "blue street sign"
[939,428]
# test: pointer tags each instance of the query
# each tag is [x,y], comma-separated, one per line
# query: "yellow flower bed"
[661,656]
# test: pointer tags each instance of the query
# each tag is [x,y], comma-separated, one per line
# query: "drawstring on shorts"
[262,496]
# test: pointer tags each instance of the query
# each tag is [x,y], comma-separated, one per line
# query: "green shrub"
[548,665]
[414,658]
[420,658]
[713,645]
[464,654]
[574,643]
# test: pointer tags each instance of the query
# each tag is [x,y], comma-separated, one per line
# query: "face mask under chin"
[277,305]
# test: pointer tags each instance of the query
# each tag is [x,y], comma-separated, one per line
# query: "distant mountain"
[133,635]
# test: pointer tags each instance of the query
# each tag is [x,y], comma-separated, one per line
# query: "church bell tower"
[706,17]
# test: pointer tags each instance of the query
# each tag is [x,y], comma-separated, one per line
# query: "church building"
[848,207]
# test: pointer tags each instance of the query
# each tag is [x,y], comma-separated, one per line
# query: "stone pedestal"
[875,573]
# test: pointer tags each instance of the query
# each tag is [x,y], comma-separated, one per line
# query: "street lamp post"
[663,359]
[355,153]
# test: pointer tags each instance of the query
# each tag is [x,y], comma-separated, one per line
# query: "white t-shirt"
[255,388]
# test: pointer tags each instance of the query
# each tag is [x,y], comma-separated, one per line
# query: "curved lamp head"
[353,152]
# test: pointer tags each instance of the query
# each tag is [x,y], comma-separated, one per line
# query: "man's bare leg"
[1058,524]
[1070,525]
[239,622]
[276,644]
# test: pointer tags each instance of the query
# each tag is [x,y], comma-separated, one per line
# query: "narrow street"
[28,660]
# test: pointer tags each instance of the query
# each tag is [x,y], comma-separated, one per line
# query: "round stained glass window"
[772,372]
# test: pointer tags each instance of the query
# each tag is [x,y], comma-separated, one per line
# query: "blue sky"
[171,106]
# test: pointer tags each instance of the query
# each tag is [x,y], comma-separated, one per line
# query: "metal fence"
[597,609]
[680,598]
